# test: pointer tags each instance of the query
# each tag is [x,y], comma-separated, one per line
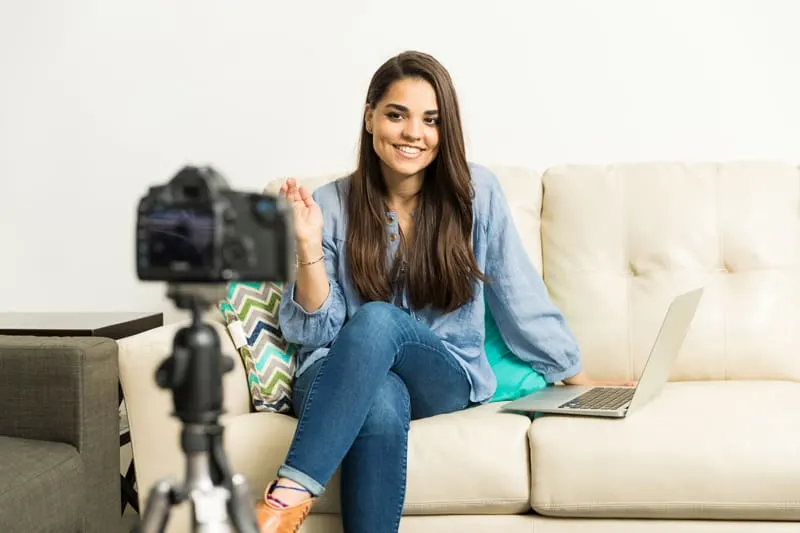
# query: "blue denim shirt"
[532,327]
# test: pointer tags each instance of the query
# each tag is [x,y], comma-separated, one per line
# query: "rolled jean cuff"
[304,480]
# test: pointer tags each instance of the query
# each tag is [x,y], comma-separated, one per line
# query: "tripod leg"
[156,513]
[240,508]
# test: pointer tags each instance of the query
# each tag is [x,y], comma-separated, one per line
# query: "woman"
[394,263]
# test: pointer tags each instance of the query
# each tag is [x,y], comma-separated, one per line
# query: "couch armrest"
[64,389]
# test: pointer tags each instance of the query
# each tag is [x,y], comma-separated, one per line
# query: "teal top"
[515,377]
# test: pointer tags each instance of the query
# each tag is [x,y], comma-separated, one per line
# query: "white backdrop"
[100,99]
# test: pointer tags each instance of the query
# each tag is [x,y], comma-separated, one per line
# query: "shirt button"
[392,237]
[389,220]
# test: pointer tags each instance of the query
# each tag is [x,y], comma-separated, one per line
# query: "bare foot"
[292,496]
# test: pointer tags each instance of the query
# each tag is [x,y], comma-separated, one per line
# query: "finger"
[293,189]
[306,197]
[293,195]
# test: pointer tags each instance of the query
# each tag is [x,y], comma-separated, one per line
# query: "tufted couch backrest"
[619,242]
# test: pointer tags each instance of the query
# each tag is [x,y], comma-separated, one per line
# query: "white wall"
[100,99]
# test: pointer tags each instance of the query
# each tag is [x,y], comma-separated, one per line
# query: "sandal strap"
[288,487]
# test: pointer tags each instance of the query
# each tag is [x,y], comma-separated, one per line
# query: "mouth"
[407,151]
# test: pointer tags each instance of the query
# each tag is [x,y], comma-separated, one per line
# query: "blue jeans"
[383,370]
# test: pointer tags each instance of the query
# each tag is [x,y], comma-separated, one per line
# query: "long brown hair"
[441,267]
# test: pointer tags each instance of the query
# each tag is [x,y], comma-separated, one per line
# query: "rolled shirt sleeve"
[531,325]
[317,328]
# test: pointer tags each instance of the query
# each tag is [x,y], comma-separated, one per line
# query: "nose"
[413,130]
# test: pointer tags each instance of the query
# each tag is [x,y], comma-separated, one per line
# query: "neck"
[403,191]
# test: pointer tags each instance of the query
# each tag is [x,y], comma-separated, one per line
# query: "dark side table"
[110,325]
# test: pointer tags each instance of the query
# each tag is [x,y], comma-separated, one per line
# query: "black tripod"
[220,501]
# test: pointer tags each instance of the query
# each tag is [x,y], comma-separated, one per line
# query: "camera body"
[195,229]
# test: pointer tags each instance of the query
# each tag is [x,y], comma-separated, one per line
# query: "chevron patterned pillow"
[250,311]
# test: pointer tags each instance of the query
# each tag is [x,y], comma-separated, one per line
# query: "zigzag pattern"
[249,297]
[268,359]
[270,334]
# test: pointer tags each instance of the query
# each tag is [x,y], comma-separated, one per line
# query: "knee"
[376,315]
[390,413]
[374,331]
[378,323]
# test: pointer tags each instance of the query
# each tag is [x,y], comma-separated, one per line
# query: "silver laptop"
[617,402]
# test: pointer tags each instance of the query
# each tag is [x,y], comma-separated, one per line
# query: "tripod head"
[193,372]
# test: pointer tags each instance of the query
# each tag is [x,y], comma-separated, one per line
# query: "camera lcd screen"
[181,239]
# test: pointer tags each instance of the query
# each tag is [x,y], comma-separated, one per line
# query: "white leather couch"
[718,451]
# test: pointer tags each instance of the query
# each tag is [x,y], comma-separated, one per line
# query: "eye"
[432,121]
[394,115]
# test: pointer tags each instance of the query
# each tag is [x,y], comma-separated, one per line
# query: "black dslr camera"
[197,234]
[195,229]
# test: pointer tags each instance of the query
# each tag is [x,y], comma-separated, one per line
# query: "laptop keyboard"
[600,398]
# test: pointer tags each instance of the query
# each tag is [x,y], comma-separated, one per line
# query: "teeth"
[408,150]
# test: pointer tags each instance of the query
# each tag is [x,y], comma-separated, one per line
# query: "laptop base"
[551,400]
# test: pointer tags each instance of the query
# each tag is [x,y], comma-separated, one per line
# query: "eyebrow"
[404,109]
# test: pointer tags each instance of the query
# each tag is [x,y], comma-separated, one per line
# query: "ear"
[368,114]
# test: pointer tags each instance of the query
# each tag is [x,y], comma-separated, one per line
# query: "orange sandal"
[274,519]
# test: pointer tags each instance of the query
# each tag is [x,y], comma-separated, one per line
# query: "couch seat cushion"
[471,462]
[712,450]
[41,486]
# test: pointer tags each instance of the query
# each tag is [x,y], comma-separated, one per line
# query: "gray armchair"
[59,435]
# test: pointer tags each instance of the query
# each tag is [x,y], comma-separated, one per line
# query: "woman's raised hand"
[307,214]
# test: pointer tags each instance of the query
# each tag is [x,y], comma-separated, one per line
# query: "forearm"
[312,285]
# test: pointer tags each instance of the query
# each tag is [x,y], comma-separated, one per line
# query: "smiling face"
[404,126]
